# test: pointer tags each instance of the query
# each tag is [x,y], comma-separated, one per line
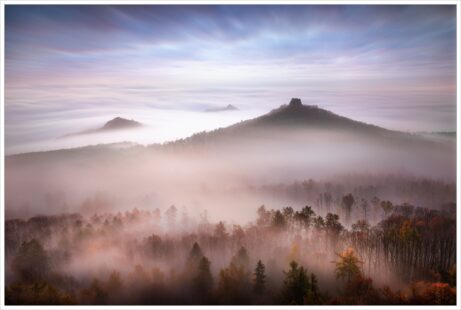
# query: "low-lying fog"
[34,118]
[159,126]
[220,176]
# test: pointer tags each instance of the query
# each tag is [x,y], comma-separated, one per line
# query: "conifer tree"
[203,281]
[259,280]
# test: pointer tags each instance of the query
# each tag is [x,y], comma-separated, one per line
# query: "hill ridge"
[117,123]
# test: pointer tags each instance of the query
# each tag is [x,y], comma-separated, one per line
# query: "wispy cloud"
[73,57]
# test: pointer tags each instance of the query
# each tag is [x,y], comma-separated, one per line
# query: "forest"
[344,249]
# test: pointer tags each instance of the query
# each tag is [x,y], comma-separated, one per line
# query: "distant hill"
[229,107]
[120,123]
[297,117]
[114,124]
[295,114]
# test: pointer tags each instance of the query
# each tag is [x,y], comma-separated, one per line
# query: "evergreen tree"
[296,285]
[313,294]
[195,253]
[203,281]
[193,261]
[234,285]
[241,259]
[259,280]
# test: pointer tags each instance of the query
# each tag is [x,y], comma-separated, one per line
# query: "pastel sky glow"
[70,67]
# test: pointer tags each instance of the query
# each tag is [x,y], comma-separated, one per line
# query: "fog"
[298,206]
[125,215]
[158,127]
[207,171]
[34,117]
[156,257]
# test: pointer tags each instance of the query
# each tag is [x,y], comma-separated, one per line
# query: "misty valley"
[299,206]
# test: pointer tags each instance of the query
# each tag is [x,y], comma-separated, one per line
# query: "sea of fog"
[159,126]
[36,117]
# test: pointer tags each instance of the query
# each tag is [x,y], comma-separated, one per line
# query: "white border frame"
[211,2]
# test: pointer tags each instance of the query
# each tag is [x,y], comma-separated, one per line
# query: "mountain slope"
[305,120]
[296,114]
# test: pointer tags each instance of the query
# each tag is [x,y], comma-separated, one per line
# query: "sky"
[73,67]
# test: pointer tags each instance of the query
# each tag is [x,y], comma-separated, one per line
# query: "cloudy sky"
[70,68]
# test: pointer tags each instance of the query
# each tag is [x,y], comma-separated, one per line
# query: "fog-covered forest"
[349,245]
[229,154]
[298,206]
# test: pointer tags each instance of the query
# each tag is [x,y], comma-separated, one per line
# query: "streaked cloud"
[358,60]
